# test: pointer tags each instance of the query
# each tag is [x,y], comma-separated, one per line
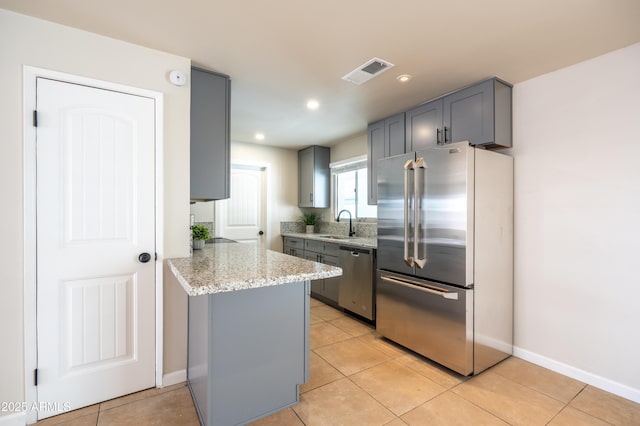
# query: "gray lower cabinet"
[331,285]
[385,138]
[210,161]
[322,252]
[317,286]
[294,246]
[248,352]
[314,177]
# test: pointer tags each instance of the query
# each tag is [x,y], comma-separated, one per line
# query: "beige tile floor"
[358,378]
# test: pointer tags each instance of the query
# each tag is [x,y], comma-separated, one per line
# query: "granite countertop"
[350,241]
[229,267]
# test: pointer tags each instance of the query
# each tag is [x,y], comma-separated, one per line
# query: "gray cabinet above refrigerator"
[479,114]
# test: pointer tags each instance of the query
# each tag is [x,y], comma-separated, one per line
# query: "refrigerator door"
[393,202]
[445,197]
[432,319]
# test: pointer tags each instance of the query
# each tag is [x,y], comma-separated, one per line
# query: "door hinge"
[35,118]
[35,377]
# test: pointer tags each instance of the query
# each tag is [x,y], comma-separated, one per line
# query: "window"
[350,188]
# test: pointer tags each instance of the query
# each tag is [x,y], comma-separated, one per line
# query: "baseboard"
[605,384]
[174,378]
[14,419]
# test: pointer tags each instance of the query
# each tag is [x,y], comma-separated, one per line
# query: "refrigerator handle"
[418,164]
[407,166]
[451,295]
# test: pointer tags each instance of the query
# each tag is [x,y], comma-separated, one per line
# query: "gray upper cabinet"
[424,126]
[480,114]
[385,138]
[394,134]
[210,164]
[313,177]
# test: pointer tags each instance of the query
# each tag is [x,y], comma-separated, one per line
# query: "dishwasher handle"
[416,286]
[355,251]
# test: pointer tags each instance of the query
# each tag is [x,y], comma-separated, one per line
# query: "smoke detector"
[368,70]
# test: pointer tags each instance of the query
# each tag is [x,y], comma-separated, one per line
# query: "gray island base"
[248,352]
[248,338]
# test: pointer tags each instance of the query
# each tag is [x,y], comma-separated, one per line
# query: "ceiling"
[281,53]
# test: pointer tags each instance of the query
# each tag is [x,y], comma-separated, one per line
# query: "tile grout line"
[566,404]
[397,416]
[146,398]
[296,414]
[478,406]
[582,411]
[536,390]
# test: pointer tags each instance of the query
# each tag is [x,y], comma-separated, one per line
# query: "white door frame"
[30,74]
[267,217]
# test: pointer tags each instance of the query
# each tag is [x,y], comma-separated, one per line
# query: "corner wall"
[577,204]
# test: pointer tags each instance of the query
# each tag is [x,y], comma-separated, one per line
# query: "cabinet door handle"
[446,139]
[438,138]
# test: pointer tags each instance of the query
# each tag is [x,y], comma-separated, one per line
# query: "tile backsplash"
[363,229]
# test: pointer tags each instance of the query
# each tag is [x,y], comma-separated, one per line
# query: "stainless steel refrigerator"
[445,255]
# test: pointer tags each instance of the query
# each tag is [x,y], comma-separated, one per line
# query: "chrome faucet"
[351,231]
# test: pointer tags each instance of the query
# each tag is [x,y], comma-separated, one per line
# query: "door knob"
[144,257]
[260,233]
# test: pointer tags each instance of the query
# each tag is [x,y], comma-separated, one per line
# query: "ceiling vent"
[368,70]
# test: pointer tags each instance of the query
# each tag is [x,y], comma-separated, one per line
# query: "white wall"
[29,41]
[577,220]
[349,148]
[282,194]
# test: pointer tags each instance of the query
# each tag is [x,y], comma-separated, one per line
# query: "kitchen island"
[248,329]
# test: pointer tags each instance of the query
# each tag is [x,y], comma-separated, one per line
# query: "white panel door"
[95,216]
[242,217]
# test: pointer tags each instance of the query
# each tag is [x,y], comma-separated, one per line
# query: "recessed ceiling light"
[312,104]
[259,136]
[403,78]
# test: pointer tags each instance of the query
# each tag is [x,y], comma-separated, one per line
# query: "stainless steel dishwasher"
[356,292]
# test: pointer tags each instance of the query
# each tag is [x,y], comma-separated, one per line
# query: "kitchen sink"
[335,237]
